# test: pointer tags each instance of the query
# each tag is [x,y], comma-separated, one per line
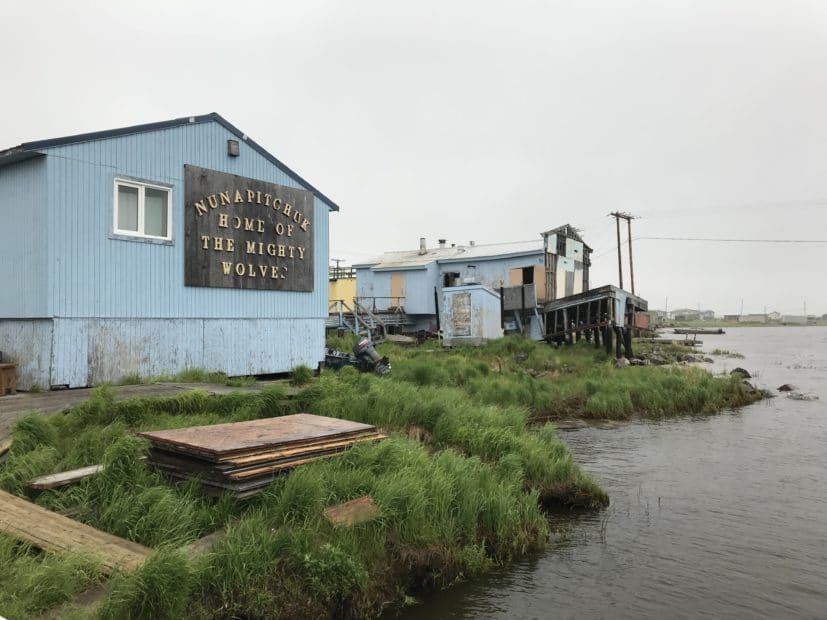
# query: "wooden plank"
[346,514]
[53,481]
[5,446]
[288,464]
[53,532]
[234,439]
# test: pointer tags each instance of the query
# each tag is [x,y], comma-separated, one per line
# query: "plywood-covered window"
[142,210]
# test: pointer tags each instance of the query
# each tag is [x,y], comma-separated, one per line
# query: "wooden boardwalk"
[50,531]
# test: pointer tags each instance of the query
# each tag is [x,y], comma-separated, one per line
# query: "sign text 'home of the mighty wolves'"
[245,233]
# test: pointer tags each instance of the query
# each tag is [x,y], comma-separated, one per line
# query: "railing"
[382,304]
[341,273]
[339,308]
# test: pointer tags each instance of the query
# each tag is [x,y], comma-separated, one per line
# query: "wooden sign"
[246,233]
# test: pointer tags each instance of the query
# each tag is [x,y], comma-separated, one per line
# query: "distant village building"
[774,316]
[752,318]
[686,314]
[155,248]
[794,319]
[707,315]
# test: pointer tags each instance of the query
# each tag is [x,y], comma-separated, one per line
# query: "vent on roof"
[442,243]
[422,248]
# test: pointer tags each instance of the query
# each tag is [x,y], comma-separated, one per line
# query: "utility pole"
[619,260]
[625,216]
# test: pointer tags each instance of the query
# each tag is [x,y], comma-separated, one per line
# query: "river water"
[720,516]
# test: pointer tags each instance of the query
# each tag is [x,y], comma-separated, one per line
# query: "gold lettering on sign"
[268,241]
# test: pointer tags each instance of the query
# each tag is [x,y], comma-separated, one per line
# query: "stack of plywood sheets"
[243,457]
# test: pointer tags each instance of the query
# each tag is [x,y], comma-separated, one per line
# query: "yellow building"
[342,284]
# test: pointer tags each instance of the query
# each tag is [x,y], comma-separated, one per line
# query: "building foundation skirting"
[85,352]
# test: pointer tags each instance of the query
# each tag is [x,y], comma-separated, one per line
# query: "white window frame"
[141,186]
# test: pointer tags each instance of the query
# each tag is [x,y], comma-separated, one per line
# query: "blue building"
[473,293]
[155,248]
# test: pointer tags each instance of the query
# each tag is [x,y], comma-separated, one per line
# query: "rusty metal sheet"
[461,314]
[224,441]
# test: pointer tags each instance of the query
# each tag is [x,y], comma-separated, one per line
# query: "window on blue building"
[142,210]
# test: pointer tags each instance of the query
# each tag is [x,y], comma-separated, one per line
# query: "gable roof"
[412,259]
[30,150]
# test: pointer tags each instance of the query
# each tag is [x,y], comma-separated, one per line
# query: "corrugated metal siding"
[70,354]
[419,290]
[24,276]
[493,273]
[29,345]
[92,351]
[95,275]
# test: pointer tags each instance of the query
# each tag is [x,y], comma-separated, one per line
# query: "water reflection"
[721,516]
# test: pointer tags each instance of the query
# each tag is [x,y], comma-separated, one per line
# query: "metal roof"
[28,150]
[412,259]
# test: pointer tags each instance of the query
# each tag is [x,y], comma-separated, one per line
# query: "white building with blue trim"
[155,248]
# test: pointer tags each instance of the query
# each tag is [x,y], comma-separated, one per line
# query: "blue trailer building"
[155,248]
[475,293]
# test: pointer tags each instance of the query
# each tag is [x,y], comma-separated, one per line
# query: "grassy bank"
[578,381]
[460,484]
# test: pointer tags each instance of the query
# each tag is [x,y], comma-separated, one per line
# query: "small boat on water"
[692,330]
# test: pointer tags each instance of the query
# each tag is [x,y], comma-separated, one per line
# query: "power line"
[715,240]
[723,240]
[751,206]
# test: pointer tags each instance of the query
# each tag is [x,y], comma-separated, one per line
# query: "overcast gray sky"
[485,121]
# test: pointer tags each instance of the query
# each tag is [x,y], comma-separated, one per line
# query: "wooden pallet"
[50,531]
